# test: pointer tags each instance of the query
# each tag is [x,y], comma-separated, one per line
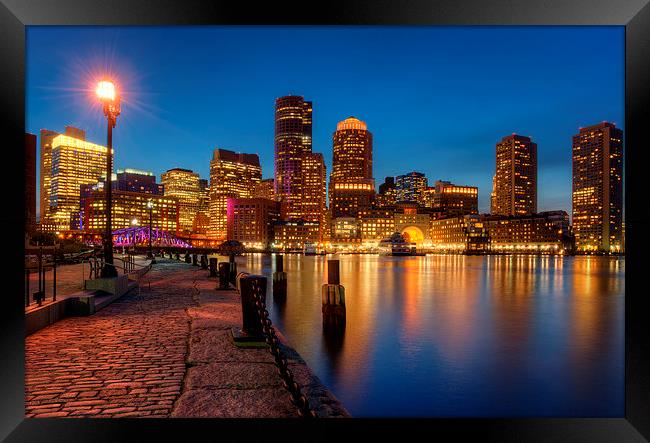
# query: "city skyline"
[393,150]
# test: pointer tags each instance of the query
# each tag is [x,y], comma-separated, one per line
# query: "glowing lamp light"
[105,90]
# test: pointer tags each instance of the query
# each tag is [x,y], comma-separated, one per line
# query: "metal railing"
[128,268]
[40,267]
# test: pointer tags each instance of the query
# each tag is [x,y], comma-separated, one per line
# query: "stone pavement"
[165,352]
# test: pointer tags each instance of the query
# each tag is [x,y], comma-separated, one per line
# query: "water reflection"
[461,335]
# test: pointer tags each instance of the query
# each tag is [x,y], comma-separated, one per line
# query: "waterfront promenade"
[164,351]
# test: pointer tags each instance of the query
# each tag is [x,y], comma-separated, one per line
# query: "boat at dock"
[311,249]
[396,245]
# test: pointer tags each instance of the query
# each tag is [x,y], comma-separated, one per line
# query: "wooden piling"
[279,278]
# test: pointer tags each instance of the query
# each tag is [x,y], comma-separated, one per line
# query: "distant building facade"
[291,235]
[460,234]
[265,189]
[30,183]
[410,187]
[386,196]
[251,221]
[183,184]
[541,232]
[454,199]
[201,223]
[314,190]
[232,175]
[128,209]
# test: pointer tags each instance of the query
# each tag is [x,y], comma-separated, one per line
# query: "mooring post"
[333,296]
[194,262]
[213,267]
[279,278]
[204,261]
[188,259]
[224,275]
[233,267]
[178,256]
[251,329]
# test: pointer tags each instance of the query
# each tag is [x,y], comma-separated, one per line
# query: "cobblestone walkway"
[166,352]
[127,360]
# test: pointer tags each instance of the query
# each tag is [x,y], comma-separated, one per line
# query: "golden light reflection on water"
[462,328]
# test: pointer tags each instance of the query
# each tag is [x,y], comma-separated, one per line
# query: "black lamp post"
[111,101]
[150,253]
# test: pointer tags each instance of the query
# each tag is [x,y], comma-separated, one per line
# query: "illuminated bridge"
[139,236]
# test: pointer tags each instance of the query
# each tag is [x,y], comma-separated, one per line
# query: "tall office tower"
[314,191]
[30,183]
[351,187]
[455,199]
[597,195]
[184,185]
[201,223]
[293,123]
[515,181]
[75,162]
[45,179]
[410,187]
[232,175]
[266,189]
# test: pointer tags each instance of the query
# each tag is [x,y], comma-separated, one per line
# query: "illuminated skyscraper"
[293,124]
[314,189]
[74,162]
[515,181]
[45,180]
[232,175]
[351,187]
[410,187]
[597,195]
[184,185]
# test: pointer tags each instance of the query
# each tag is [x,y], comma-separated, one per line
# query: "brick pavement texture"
[165,352]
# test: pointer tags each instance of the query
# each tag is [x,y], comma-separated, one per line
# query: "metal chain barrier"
[297,397]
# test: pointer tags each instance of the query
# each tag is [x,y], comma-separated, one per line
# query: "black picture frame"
[633,14]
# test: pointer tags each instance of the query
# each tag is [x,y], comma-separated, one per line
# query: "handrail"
[133,263]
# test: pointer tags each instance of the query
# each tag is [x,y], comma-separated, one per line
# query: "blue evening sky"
[437,99]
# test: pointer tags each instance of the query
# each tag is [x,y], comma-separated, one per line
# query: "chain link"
[297,397]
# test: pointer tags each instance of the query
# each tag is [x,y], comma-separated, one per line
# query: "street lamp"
[150,253]
[134,223]
[108,96]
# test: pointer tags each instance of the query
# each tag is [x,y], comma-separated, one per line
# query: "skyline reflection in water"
[454,335]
